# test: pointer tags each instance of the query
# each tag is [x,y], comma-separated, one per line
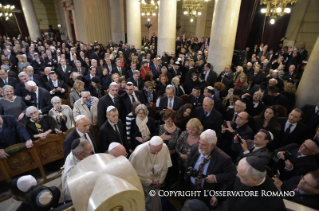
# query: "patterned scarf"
[90,103]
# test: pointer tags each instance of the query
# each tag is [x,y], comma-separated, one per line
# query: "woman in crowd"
[149,94]
[105,79]
[161,86]
[289,92]
[136,61]
[183,114]
[143,127]
[169,132]
[241,82]
[144,69]
[62,114]
[267,120]
[219,88]
[179,90]
[96,89]
[116,78]
[22,62]
[129,118]
[122,87]
[38,126]
[149,77]
[75,94]
[12,104]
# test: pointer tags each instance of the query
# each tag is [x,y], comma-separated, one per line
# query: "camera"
[287,155]
[193,172]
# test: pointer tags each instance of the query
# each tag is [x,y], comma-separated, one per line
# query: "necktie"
[136,82]
[234,117]
[252,149]
[118,132]
[48,78]
[298,154]
[120,71]
[287,131]
[6,81]
[79,70]
[170,103]
[206,114]
[198,179]
[133,100]
[157,69]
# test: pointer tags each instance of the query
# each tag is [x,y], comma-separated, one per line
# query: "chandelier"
[148,9]
[276,8]
[193,8]
[6,11]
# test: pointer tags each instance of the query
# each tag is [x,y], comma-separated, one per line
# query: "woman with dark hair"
[96,89]
[268,120]
[281,111]
[183,114]
[105,78]
[251,83]
[122,86]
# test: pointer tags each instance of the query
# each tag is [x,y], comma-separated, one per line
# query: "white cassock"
[69,164]
[150,167]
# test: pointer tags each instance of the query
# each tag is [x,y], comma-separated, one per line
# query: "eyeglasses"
[307,148]
[241,118]
[307,183]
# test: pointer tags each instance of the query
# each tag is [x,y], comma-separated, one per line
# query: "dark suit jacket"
[211,78]
[13,132]
[115,70]
[178,102]
[53,61]
[64,75]
[259,77]
[88,80]
[310,119]
[126,102]
[213,121]
[135,132]
[194,102]
[44,80]
[44,101]
[296,136]
[61,84]
[11,81]
[102,105]
[46,122]
[140,84]
[262,153]
[71,137]
[96,57]
[107,135]
[154,70]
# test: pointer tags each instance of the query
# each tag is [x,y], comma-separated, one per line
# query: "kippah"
[75,143]
[26,182]
[156,140]
[210,132]
[113,145]
[275,71]
[197,88]
[31,83]
[44,198]
[271,135]
[109,108]
[169,86]
[79,117]
[256,164]
[52,72]
[210,87]
[113,84]
[129,83]
[177,62]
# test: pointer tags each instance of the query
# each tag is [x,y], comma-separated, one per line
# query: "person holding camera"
[296,160]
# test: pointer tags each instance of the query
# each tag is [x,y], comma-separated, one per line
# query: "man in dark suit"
[175,70]
[275,98]
[64,71]
[56,87]
[290,75]
[107,100]
[292,129]
[120,70]
[165,72]
[209,75]
[259,148]
[81,130]
[196,98]
[209,117]
[212,168]
[258,75]
[41,97]
[231,114]
[10,57]
[7,80]
[136,79]
[51,60]
[155,67]
[254,104]
[298,161]
[231,128]
[209,91]
[170,101]
[306,189]
[227,78]
[265,66]
[12,132]
[89,77]
[32,76]
[310,118]
[128,98]
[95,54]
[109,66]
[46,77]
[112,130]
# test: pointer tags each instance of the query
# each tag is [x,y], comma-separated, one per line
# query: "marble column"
[68,23]
[31,19]
[117,20]
[133,22]
[75,25]
[307,92]
[201,23]
[166,26]
[223,33]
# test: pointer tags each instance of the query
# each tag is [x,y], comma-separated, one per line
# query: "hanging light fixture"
[148,9]
[193,8]
[6,11]
[276,8]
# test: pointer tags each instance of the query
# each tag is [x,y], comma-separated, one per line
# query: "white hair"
[209,138]
[29,110]
[54,99]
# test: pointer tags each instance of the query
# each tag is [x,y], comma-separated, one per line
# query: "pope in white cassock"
[151,161]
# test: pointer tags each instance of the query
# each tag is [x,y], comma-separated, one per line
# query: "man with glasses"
[295,160]
[239,106]
[306,189]
[129,97]
[230,129]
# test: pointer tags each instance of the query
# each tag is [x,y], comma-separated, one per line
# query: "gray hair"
[293,66]
[250,171]
[55,98]
[4,67]
[28,67]
[249,63]
[77,61]
[22,74]
[274,80]
[85,92]
[80,147]
[174,80]
[209,138]
[113,85]
[141,107]
[7,87]
[164,68]
[135,72]
[170,87]
[29,110]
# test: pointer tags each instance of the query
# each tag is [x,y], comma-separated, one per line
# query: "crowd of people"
[182,125]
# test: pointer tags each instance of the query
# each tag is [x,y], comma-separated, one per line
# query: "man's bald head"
[118,151]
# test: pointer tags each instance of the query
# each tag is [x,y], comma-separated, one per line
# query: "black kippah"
[256,164]
[75,143]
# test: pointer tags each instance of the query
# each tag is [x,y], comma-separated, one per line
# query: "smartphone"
[239,139]
[225,124]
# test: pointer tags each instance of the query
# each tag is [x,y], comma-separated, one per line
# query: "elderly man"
[254,104]
[209,117]
[12,132]
[81,130]
[117,149]
[209,168]
[86,105]
[33,77]
[290,75]
[196,98]
[45,77]
[112,130]
[295,160]
[39,97]
[226,77]
[170,101]
[238,107]
[136,79]
[50,60]
[151,161]
[80,149]
[64,71]
[129,97]
[107,100]
[155,67]
[7,80]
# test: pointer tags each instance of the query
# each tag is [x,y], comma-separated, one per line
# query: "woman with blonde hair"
[289,92]
[241,82]
[22,62]
[75,94]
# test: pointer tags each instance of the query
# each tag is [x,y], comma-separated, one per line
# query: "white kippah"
[113,84]
[177,62]
[109,108]
[44,198]
[179,59]
[31,83]
[210,132]
[271,135]
[79,117]
[169,85]
[26,182]
[210,88]
[275,71]
[113,145]
[156,140]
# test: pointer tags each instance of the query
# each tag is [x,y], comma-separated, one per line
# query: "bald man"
[117,149]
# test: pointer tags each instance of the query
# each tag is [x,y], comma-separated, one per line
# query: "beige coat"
[80,108]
